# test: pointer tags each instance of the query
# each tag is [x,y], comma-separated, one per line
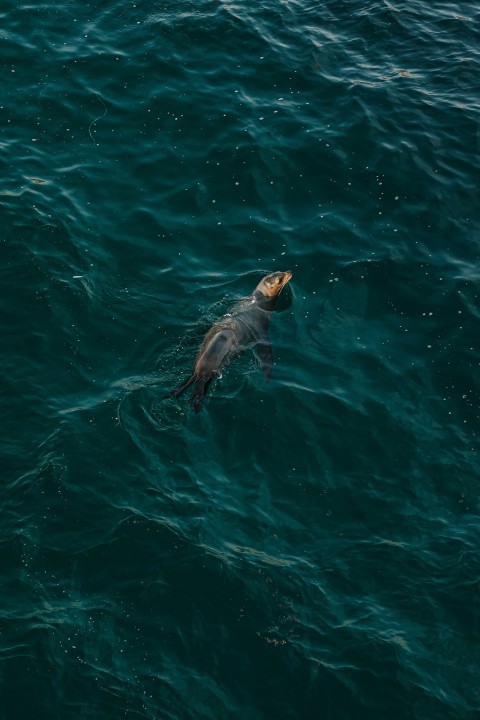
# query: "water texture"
[303,548]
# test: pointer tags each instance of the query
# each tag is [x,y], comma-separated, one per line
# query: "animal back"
[219,345]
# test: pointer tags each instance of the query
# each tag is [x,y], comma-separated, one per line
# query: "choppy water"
[306,548]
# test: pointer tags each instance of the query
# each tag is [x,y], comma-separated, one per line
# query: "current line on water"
[97,118]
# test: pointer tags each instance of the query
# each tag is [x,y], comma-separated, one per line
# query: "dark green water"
[303,548]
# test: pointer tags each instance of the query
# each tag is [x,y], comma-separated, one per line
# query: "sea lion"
[246,325]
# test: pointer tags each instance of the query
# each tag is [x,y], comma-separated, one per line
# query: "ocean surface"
[306,548]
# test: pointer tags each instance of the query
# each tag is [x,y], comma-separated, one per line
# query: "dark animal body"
[246,325]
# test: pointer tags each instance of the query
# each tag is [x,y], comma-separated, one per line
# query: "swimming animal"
[246,325]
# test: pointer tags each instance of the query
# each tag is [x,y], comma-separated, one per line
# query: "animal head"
[271,284]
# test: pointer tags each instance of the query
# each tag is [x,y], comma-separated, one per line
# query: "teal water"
[303,548]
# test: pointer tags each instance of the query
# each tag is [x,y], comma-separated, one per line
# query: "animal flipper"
[198,395]
[181,388]
[264,352]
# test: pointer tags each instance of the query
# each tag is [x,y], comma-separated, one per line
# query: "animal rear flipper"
[198,395]
[179,390]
